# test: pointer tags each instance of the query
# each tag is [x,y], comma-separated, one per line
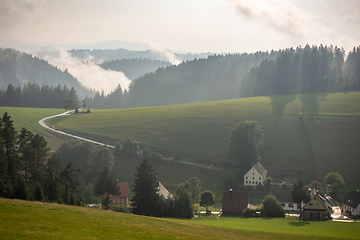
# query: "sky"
[168,26]
[196,26]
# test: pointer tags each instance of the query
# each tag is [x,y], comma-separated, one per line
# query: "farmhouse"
[286,201]
[123,198]
[235,203]
[256,175]
[319,207]
[351,204]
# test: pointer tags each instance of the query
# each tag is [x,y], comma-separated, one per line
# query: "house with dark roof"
[351,204]
[256,175]
[286,201]
[235,203]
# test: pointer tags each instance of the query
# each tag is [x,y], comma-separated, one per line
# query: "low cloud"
[285,18]
[165,53]
[86,71]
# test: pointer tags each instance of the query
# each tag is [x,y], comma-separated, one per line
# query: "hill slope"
[34,220]
[18,68]
[309,146]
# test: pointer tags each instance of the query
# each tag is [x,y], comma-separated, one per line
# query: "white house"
[256,175]
[162,191]
[351,204]
[286,201]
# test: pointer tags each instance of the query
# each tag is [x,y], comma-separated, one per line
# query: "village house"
[123,198]
[235,203]
[351,204]
[255,176]
[286,201]
[318,208]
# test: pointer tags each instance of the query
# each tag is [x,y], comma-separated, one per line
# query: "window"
[246,177]
[246,182]
[291,205]
[253,173]
[259,178]
[123,200]
[255,182]
[253,178]
[310,204]
[114,200]
[118,200]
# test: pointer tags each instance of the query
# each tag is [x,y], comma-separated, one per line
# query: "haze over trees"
[18,69]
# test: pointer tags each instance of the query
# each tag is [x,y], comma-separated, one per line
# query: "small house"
[286,201]
[235,203]
[351,204]
[123,198]
[256,175]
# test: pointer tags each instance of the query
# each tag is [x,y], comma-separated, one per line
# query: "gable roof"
[162,191]
[283,197]
[353,199]
[124,189]
[235,202]
[260,169]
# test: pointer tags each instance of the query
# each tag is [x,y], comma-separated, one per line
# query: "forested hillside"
[18,69]
[134,68]
[313,69]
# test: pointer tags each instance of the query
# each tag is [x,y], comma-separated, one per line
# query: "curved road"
[42,123]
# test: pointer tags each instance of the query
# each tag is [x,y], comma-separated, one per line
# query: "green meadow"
[35,220]
[309,146]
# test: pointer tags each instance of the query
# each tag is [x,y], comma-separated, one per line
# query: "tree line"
[309,69]
[305,70]
[32,95]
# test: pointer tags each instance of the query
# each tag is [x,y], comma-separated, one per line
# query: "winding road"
[42,123]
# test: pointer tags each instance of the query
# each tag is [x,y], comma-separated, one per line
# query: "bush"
[250,213]
[121,209]
[272,207]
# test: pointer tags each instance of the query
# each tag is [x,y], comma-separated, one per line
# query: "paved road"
[42,123]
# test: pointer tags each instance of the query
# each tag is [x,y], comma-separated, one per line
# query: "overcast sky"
[183,25]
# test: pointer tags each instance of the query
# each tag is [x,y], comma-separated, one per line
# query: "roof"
[235,202]
[260,169]
[283,197]
[353,199]
[124,189]
[162,191]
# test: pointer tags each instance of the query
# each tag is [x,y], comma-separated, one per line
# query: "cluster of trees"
[332,185]
[29,171]
[146,200]
[305,70]
[18,68]
[32,95]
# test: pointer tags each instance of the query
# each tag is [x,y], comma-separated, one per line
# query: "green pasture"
[309,146]
[35,220]
[288,226]
[29,118]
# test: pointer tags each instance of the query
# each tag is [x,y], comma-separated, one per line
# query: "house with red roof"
[123,198]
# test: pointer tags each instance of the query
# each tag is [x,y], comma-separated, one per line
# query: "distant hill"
[18,68]
[134,68]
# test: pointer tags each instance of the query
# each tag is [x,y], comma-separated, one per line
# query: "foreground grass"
[289,226]
[34,220]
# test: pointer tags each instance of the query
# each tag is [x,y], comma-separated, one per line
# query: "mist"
[165,53]
[88,73]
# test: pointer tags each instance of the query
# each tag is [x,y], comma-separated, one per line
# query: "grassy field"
[34,220]
[29,118]
[199,133]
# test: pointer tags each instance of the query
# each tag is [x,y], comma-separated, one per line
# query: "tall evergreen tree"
[145,198]
[300,194]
